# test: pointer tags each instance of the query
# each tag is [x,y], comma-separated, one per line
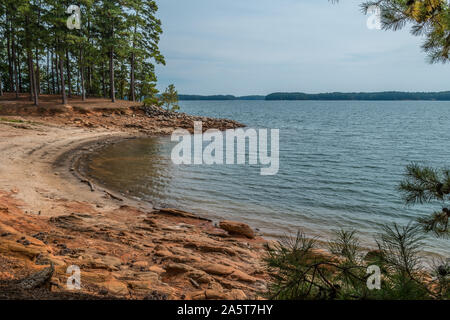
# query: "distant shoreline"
[331,96]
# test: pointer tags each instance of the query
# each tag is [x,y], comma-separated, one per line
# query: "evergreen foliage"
[169,99]
[112,54]
[429,19]
[300,272]
[424,185]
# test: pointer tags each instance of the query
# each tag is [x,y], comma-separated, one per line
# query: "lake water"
[340,165]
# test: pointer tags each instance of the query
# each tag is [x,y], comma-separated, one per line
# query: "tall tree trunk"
[132,90]
[132,80]
[16,78]
[1,85]
[48,71]
[83,89]
[63,85]
[19,71]
[111,75]
[35,82]
[33,86]
[90,91]
[53,73]
[30,74]
[78,81]
[69,82]
[10,59]
[57,75]
[104,80]
[38,73]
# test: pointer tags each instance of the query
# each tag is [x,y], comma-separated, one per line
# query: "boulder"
[217,269]
[209,294]
[241,276]
[141,264]
[237,228]
[178,268]
[116,287]
[156,269]
[238,294]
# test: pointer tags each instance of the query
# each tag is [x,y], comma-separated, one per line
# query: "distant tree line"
[218,97]
[388,95]
[370,96]
[113,53]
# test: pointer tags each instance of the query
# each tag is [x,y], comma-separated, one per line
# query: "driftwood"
[89,183]
[194,283]
[37,279]
[113,196]
[179,213]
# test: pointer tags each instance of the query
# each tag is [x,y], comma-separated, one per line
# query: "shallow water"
[340,165]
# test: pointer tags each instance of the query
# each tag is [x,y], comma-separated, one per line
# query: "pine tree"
[429,19]
[117,38]
[169,98]
[427,185]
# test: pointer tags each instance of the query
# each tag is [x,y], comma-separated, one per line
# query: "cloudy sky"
[245,47]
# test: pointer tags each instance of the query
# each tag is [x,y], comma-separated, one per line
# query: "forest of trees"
[113,53]
[196,97]
[332,96]
[370,96]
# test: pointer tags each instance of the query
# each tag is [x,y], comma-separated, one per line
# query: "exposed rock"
[237,294]
[212,294]
[209,294]
[13,248]
[163,253]
[177,259]
[156,269]
[74,222]
[141,264]
[237,228]
[102,262]
[199,276]
[178,268]
[147,276]
[116,287]
[217,269]
[241,276]
[213,248]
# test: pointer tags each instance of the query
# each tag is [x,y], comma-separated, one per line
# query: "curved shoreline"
[73,161]
[322,239]
[124,247]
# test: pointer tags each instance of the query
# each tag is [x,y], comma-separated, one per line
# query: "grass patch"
[11,120]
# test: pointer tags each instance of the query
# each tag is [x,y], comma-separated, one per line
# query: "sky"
[256,47]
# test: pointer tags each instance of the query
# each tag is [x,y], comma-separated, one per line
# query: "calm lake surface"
[340,165]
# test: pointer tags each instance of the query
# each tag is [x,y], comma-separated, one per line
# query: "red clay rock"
[217,269]
[237,228]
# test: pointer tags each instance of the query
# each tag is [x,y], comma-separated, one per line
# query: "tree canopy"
[113,53]
[428,18]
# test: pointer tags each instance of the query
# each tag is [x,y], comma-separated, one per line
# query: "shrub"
[299,271]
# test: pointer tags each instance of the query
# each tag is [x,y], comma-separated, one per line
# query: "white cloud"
[262,46]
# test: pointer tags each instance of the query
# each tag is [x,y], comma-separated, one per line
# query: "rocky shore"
[53,217]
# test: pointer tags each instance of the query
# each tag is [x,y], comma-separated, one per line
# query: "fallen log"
[37,279]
